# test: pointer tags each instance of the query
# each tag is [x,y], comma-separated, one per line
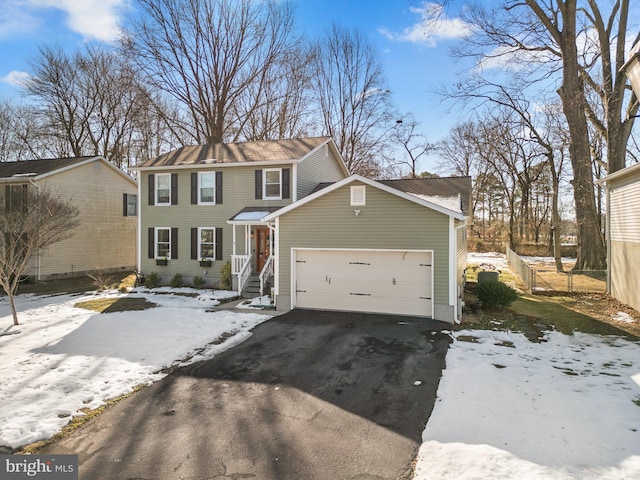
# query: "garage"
[376,281]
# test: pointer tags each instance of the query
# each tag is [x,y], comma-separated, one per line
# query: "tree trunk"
[591,250]
[14,312]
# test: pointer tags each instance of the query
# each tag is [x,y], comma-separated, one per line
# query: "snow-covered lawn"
[65,359]
[567,408]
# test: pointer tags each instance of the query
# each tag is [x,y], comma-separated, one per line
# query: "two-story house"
[203,205]
[288,210]
[106,198]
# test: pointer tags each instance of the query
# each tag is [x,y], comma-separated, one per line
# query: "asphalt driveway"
[311,395]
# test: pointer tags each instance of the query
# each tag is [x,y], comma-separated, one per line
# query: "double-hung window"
[272,184]
[206,188]
[206,243]
[163,189]
[163,242]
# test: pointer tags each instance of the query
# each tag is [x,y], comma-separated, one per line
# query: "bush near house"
[226,280]
[493,294]
[152,280]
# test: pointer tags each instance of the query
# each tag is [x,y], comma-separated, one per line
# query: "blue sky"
[415,53]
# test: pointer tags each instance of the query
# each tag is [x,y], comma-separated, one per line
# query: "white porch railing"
[241,266]
[266,272]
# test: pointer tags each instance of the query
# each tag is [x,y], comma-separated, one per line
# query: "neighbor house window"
[163,242]
[163,189]
[16,198]
[206,188]
[272,184]
[207,243]
[358,195]
[130,205]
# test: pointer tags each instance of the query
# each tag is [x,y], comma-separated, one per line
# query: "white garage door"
[379,281]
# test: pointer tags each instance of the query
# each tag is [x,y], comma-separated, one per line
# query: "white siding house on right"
[623,219]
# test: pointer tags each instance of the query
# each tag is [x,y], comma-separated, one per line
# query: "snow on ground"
[487,259]
[567,408]
[256,303]
[66,358]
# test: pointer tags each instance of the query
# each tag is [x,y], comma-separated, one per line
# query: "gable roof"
[37,169]
[446,187]
[244,152]
[420,200]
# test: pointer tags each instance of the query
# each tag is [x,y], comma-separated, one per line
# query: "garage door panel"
[388,281]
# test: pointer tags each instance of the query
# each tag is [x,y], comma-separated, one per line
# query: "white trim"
[199,187]
[276,251]
[217,165]
[620,174]
[293,183]
[293,279]
[264,184]
[155,242]
[156,183]
[200,243]
[372,183]
[358,195]
[453,267]
[139,227]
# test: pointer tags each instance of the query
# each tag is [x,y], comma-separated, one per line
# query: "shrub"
[492,294]
[198,282]
[176,281]
[152,280]
[226,280]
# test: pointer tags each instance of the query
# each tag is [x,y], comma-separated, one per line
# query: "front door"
[262,247]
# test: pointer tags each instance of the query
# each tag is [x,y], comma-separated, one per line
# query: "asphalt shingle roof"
[435,186]
[260,151]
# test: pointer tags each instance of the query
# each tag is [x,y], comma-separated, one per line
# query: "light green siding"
[320,166]
[238,192]
[385,222]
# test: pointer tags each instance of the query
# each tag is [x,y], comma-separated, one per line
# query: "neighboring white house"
[106,197]
[623,232]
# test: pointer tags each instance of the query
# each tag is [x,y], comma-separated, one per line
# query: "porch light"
[632,69]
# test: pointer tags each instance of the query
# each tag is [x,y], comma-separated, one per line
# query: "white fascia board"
[372,183]
[620,174]
[215,166]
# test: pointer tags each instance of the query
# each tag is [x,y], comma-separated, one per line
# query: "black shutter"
[218,188]
[152,242]
[174,189]
[194,188]
[218,243]
[7,198]
[286,190]
[194,244]
[152,189]
[174,243]
[258,184]
[124,205]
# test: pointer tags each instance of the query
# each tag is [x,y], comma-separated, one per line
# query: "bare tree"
[31,219]
[89,102]
[211,56]
[413,145]
[553,41]
[20,132]
[353,97]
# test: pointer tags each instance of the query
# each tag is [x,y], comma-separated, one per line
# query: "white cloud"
[93,19]
[15,19]
[15,78]
[433,26]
